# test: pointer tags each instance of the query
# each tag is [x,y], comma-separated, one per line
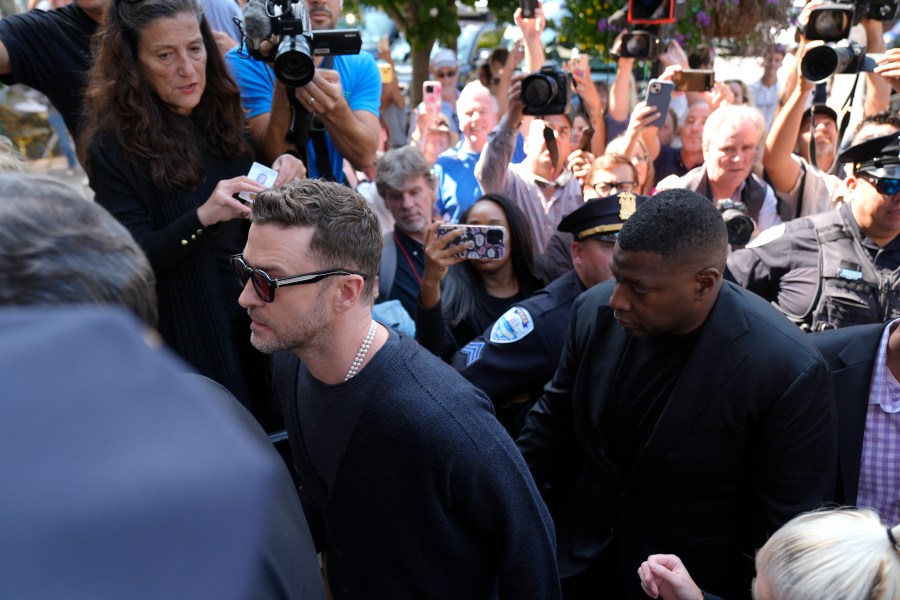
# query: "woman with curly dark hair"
[460,298]
[166,152]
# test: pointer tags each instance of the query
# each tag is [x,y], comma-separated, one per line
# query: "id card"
[262,174]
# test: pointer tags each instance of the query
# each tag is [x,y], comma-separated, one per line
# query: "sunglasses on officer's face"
[886,186]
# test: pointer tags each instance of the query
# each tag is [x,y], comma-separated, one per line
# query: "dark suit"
[850,353]
[745,442]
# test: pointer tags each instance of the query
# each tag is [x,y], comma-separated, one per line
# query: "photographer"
[730,140]
[804,187]
[543,185]
[345,97]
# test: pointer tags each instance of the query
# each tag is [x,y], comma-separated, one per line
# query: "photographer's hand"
[515,111]
[353,132]
[889,68]
[674,55]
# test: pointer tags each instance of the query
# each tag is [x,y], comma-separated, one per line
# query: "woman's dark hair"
[120,101]
[457,297]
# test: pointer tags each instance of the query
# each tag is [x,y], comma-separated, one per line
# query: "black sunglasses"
[265,286]
[887,186]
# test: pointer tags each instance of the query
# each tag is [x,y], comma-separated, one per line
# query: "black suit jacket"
[745,442]
[850,353]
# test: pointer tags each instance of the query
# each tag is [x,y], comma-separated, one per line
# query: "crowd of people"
[513,355]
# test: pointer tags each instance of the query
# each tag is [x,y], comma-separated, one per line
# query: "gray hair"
[57,247]
[10,158]
[729,118]
[399,166]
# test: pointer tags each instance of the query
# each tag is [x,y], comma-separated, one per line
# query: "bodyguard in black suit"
[687,415]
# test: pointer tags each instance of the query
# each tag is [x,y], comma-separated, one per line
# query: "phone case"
[694,80]
[659,94]
[528,8]
[431,96]
[480,241]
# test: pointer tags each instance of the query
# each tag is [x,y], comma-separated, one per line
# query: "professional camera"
[738,224]
[284,25]
[832,21]
[820,63]
[546,92]
[638,43]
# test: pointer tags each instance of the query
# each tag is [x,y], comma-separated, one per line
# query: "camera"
[638,43]
[546,92]
[820,63]
[832,21]
[738,224]
[294,40]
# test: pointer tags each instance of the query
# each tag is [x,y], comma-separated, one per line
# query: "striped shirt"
[879,473]
[517,182]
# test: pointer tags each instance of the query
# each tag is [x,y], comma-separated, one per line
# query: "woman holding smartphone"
[460,298]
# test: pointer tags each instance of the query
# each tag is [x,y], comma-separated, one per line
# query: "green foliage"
[742,26]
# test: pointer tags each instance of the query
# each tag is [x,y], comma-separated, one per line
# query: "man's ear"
[347,292]
[707,282]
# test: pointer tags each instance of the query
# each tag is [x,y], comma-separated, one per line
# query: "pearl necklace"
[361,353]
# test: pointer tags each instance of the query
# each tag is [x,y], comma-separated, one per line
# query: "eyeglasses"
[446,74]
[605,188]
[265,286]
[886,186]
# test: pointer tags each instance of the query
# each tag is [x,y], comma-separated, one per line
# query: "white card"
[263,175]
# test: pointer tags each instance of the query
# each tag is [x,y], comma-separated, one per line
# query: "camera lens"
[831,24]
[293,63]
[637,46]
[538,90]
[494,236]
[739,227]
[429,89]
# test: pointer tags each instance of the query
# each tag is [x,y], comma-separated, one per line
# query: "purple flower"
[703,18]
[602,25]
[772,2]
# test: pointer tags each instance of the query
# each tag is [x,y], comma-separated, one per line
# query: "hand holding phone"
[659,94]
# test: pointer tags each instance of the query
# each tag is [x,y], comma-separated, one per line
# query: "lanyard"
[408,260]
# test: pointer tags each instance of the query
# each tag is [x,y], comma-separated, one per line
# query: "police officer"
[514,359]
[840,267]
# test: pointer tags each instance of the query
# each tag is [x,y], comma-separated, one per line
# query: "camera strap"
[307,127]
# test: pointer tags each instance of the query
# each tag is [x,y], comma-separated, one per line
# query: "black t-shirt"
[649,370]
[50,51]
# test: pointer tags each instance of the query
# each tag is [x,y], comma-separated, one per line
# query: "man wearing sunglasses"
[443,68]
[840,267]
[409,484]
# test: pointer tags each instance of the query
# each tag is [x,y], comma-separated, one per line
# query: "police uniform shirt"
[782,263]
[518,355]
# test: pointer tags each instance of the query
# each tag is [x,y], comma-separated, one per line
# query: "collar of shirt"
[885,390]
[559,182]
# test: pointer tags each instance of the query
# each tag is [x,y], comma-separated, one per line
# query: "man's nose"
[617,301]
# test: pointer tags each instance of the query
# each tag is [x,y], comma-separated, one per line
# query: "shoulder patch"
[769,235]
[472,351]
[515,324]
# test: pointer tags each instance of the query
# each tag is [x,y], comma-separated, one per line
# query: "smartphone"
[578,64]
[431,97]
[387,72]
[480,242]
[694,80]
[528,7]
[659,93]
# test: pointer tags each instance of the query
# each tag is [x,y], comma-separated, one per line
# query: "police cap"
[879,156]
[601,218]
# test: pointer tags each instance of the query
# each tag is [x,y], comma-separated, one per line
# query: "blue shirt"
[360,80]
[457,188]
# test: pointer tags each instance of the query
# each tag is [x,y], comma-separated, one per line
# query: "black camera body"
[289,30]
[832,21]
[546,92]
[738,224]
[820,63]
